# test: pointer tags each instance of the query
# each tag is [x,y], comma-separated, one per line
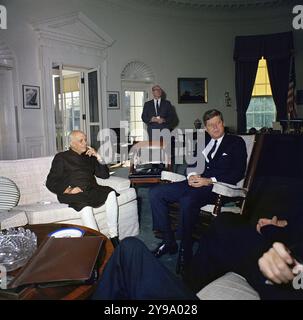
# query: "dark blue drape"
[245,78]
[277,50]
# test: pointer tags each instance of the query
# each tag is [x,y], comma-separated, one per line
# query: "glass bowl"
[16,247]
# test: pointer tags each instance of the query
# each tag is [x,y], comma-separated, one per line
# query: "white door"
[67,104]
[93,110]
[77,103]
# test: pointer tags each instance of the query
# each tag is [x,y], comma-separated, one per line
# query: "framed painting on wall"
[113,101]
[31,97]
[192,90]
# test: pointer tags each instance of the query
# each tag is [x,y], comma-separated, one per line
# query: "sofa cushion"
[30,177]
[47,212]
[9,194]
[231,286]
[13,218]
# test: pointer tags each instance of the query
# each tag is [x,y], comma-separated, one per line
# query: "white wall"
[170,45]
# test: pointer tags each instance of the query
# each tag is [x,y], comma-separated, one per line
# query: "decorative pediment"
[74,28]
[137,70]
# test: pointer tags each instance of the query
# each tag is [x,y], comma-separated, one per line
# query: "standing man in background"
[158,112]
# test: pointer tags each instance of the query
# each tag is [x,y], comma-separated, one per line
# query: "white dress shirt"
[155,104]
[205,153]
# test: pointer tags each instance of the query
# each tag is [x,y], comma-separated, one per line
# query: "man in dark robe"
[72,178]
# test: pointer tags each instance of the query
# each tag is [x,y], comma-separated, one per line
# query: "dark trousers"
[230,244]
[190,200]
[134,273]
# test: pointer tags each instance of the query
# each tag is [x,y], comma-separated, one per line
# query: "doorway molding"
[75,40]
[136,76]
[10,112]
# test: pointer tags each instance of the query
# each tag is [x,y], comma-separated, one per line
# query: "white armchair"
[233,192]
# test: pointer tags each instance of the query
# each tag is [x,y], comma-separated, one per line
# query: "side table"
[66,292]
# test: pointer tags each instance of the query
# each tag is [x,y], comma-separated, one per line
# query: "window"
[261,111]
[134,100]
[72,104]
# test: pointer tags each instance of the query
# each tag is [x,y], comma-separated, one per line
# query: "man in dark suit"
[157,113]
[267,255]
[225,157]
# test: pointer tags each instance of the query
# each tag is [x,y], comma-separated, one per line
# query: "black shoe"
[180,263]
[115,241]
[164,248]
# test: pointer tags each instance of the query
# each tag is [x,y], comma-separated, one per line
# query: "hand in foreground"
[197,181]
[92,152]
[273,221]
[74,190]
[277,265]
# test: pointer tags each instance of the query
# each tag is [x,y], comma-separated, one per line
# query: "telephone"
[149,169]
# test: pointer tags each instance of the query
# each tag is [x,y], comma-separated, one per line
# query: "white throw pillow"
[9,194]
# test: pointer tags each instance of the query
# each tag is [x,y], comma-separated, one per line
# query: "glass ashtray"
[16,247]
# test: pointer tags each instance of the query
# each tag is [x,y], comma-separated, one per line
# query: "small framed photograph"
[113,100]
[31,97]
[192,90]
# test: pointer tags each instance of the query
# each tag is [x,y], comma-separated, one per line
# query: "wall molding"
[75,29]
[69,39]
[34,147]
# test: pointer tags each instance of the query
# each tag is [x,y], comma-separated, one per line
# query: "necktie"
[212,150]
[157,108]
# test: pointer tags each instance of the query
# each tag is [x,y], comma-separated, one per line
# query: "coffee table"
[67,292]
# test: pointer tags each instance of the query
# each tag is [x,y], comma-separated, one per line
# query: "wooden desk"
[72,292]
[143,180]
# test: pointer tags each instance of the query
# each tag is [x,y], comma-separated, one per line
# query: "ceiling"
[219,3]
[213,11]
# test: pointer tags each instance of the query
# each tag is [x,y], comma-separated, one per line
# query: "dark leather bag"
[61,261]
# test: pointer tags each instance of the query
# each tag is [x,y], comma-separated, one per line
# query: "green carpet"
[145,221]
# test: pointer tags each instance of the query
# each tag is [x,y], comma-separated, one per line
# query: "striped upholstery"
[9,194]
[230,286]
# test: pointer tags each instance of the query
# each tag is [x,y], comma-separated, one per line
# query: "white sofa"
[38,205]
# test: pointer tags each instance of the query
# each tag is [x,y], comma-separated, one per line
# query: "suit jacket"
[229,162]
[166,112]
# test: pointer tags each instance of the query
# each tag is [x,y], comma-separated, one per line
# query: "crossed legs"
[111,209]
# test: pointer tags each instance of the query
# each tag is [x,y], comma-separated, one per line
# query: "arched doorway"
[137,79]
